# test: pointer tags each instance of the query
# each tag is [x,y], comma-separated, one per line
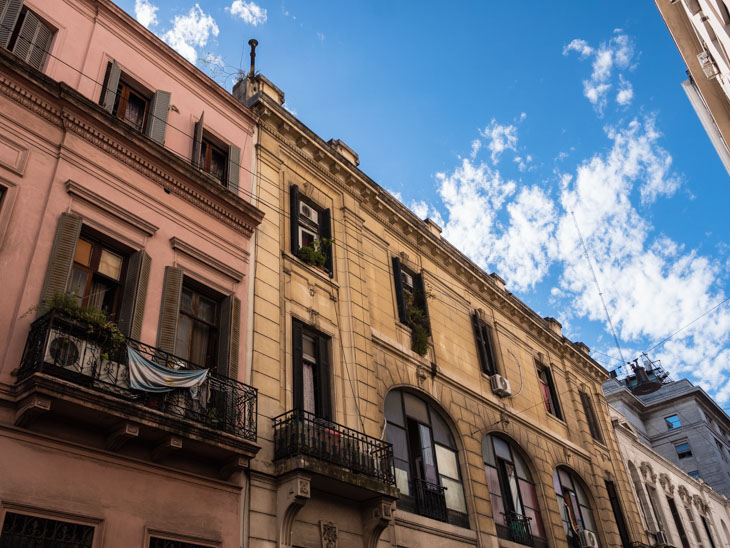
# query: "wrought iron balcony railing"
[430,500]
[75,351]
[299,432]
[519,528]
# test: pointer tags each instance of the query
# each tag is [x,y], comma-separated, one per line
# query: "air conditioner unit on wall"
[407,280]
[71,353]
[500,386]
[308,213]
[709,67]
[588,539]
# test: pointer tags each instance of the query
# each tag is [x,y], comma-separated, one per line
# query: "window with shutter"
[26,34]
[547,388]
[483,337]
[212,155]
[311,231]
[311,370]
[591,417]
[412,303]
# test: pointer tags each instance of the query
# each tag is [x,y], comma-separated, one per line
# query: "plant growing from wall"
[419,329]
[316,254]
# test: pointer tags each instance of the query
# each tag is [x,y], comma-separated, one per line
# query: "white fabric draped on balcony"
[148,376]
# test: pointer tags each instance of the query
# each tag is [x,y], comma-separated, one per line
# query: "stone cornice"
[194,253]
[64,107]
[403,224]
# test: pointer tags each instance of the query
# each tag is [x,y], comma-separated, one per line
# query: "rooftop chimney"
[247,88]
[345,151]
[253,43]
[554,325]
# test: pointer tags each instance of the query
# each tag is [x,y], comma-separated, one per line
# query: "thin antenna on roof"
[600,293]
[253,43]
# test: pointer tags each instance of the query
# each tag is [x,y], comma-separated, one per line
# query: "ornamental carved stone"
[666,484]
[328,530]
[684,495]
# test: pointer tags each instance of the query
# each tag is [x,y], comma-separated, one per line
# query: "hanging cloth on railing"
[148,376]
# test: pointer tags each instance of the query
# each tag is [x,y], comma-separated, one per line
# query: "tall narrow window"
[311,370]
[426,459]
[97,276]
[25,34]
[591,417]
[197,328]
[547,388]
[707,531]
[512,491]
[213,158]
[573,503]
[412,304]
[483,336]
[311,231]
[678,523]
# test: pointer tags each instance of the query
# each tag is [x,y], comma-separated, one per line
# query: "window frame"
[591,417]
[552,407]
[124,90]
[199,290]
[52,30]
[484,344]
[670,423]
[324,227]
[321,370]
[576,484]
[683,454]
[57,517]
[209,145]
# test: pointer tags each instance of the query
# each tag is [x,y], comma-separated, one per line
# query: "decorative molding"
[190,251]
[13,155]
[328,534]
[107,206]
[376,517]
[291,496]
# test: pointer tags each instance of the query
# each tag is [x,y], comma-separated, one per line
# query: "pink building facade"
[125,183]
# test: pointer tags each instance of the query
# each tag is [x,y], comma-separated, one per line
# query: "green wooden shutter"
[169,309]
[198,141]
[325,231]
[229,338]
[62,257]
[233,172]
[296,363]
[33,41]
[294,218]
[400,298]
[111,85]
[420,299]
[157,122]
[324,405]
[134,295]
[9,13]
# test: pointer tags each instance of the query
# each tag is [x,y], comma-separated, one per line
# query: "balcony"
[518,528]
[74,380]
[430,500]
[342,460]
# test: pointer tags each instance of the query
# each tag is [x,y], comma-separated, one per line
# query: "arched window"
[426,459]
[574,506]
[512,491]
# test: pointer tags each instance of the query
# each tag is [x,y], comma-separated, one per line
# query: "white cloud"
[320,36]
[248,12]
[291,109]
[145,12]
[614,55]
[499,138]
[191,31]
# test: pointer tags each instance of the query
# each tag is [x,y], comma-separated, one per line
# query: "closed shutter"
[9,13]
[325,231]
[157,122]
[323,365]
[62,257]
[111,85]
[294,218]
[169,309]
[33,41]
[134,296]
[420,299]
[233,172]
[198,141]
[229,337]
[296,364]
[400,298]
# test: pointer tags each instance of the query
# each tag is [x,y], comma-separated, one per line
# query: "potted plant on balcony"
[419,331]
[315,254]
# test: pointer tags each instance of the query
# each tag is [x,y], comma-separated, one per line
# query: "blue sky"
[499,124]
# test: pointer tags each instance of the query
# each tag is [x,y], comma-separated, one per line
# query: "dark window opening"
[591,417]
[574,507]
[23,530]
[678,523]
[30,38]
[547,388]
[412,303]
[311,364]
[213,158]
[483,336]
[197,325]
[683,450]
[97,276]
[131,106]
[311,231]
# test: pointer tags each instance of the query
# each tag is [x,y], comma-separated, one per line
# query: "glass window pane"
[565,479]
[416,408]
[98,291]
[308,387]
[513,488]
[501,449]
[206,310]
[488,450]
[397,436]
[427,456]
[182,342]
[454,495]
[308,348]
[493,480]
[83,252]
[556,483]
[537,527]
[529,495]
[186,302]
[77,283]
[498,510]
[110,264]
[522,471]
[199,345]
[393,408]
[447,463]
[587,518]
[581,494]
[441,432]
[401,478]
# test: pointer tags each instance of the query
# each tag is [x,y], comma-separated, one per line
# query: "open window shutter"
[111,84]
[323,359]
[325,231]
[33,41]
[157,122]
[234,168]
[590,416]
[553,393]
[9,13]
[135,294]
[296,364]
[198,141]
[400,298]
[229,337]
[481,344]
[62,257]
[294,217]
[420,298]
[169,309]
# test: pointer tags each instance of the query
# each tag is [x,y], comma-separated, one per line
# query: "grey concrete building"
[681,423]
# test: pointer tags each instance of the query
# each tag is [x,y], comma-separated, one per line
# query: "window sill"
[290,259]
[410,520]
[556,419]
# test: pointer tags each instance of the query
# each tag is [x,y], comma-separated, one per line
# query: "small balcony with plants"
[80,377]
[341,460]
